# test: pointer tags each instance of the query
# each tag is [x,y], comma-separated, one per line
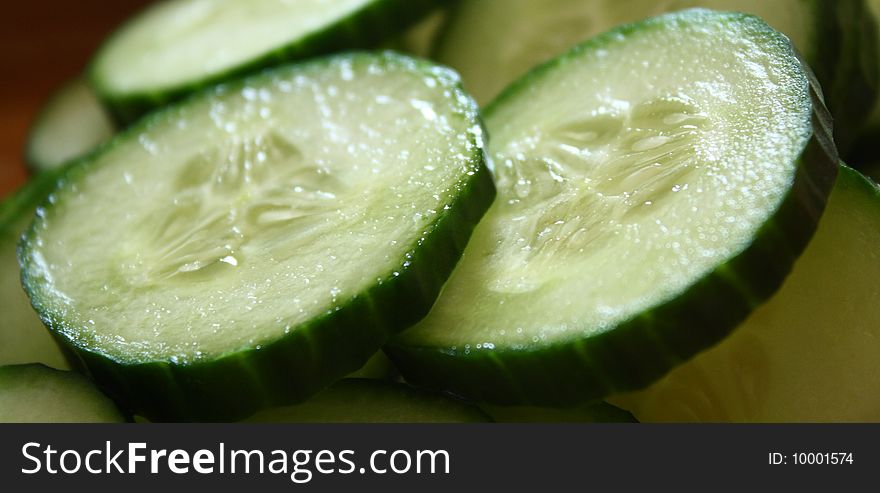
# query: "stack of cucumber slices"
[242,213]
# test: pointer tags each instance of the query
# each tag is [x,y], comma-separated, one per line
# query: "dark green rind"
[14,378]
[31,156]
[237,384]
[644,348]
[596,412]
[803,356]
[373,401]
[365,28]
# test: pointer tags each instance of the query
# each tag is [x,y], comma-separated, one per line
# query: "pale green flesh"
[23,338]
[230,220]
[625,173]
[36,394]
[184,40]
[810,353]
[73,124]
[365,401]
[488,58]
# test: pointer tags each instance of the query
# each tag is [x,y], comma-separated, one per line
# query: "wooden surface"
[44,44]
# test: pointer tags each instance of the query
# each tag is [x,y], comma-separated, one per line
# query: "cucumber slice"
[70,125]
[263,239]
[177,46]
[597,412]
[38,394]
[374,401]
[830,35]
[809,354]
[655,185]
[23,337]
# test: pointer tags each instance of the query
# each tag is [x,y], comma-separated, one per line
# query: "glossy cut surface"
[625,173]
[654,185]
[191,38]
[237,219]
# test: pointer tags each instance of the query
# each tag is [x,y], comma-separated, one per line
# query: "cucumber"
[809,354]
[70,125]
[38,394]
[373,401]
[655,185]
[255,243]
[177,46]
[597,412]
[830,35]
[23,338]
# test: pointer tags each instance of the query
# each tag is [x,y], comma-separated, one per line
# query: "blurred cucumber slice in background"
[23,337]
[70,125]
[174,47]
[38,394]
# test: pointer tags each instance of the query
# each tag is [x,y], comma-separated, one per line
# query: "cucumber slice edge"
[444,239]
[773,249]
